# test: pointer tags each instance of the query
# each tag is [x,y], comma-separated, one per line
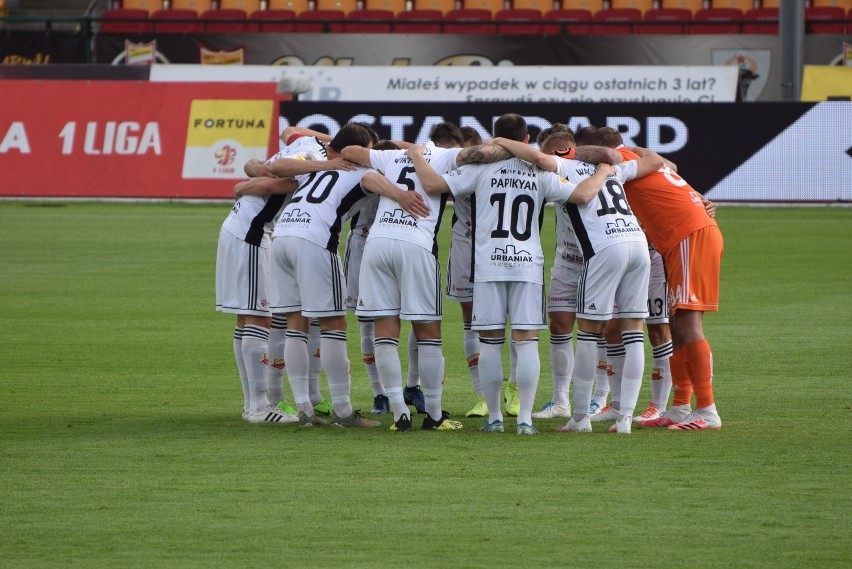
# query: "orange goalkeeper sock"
[699,363]
[681,382]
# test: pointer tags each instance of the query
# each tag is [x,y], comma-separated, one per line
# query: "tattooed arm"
[488,152]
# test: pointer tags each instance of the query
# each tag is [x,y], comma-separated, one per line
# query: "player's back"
[668,208]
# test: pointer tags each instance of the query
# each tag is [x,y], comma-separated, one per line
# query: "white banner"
[529,84]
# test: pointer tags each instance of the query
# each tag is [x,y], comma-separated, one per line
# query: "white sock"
[491,374]
[390,373]
[368,354]
[314,361]
[413,361]
[585,360]
[661,376]
[275,369]
[634,366]
[471,352]
[601,375]
[615,356]
[527,371]
[513,362]
[562,366]
[296,355]
[241,367]
[255,344]
[431,366]
[335,362]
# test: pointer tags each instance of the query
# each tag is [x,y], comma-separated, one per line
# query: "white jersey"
[462,218]
[362,219]
[568,252]
[508,200]
[252,217]
[392,221]
[607,218]
[321,204]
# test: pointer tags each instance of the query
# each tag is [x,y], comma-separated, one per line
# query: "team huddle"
[636,245]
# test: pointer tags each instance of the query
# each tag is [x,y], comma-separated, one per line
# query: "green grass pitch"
[121,443]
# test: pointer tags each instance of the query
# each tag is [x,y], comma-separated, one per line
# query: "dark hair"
[385,145]
[555,128]
[446,134]
[351,134]
[588,135]
[610,137]
[511,126]
[373,134]
[470,136]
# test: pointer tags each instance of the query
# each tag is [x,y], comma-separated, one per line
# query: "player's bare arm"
[589,188]
[255,168]
[709,206]
[596,154]
[357,154]
[293,130]
[649,161]
[527,153]
[488,152]
[411,202]
[431,181]
[264,186]
[288,167]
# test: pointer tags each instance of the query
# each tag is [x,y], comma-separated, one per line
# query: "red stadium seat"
[418,22]
[573,22]
[824,20]
[318,21]
[125,21]
[368,22]
[275,21]
[619,21]
[175,22]
[718,21]
[761,21]
[210,20]
[531,22]
[672,21]
[480,22]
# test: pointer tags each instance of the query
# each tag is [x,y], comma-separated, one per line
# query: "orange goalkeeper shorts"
[692,271]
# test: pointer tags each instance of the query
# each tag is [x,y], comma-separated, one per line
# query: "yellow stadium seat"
[297,6]
[845,4]
[344,6]
[197,6]
[744,5]
[395,6]
[540,5]
[492,6]
[440,5]
[247,6]
[641,5]
[149,6]
[590,5]
[691,5]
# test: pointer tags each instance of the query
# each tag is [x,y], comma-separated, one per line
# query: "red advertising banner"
[132,138]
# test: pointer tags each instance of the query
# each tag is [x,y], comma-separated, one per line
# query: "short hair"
[558,141]
[373,134]
[511,126]
[351,134]
[470,136]
[385,144]
[588,135]
[610,137]
[446,134]
[555,128]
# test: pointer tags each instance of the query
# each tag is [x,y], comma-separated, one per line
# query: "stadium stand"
[618,21]
[318,21]
[825,20]
[418,22]
[468,21]
[717,21]
[641,5]
[590,5]
[671,21]
[286,21]
[344,6]
[845,4]
[442,6]
[574,22]
[742,5]
[247,6]
[531,21]
[150,6]
[761,21]
[297,6]
[175,21]
[125,21]
[692,5]
[540,5]
[224,21]
[368,22]
[197,6]
[395,6]
[492,6]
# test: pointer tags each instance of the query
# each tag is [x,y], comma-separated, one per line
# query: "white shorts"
[522,302]
[242,276]
[306,278]
[352,267]
[618,275]
[399,278]
[562,294]
[459,285]
[658,308]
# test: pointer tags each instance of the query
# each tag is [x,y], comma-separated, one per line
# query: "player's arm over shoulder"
[431,181]
[264,186]
[649,161]
[589,188]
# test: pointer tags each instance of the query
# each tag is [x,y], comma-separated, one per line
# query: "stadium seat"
[592,6]
[395,6]
[641,5]
[845,4]
[442,6]
[540,5]
[692,5]
[572,22]
[717,21]
[761,21]
[175,22]
[286,20]
[742,5]
[319,21]
[678,18]
[618,21]
[531,22]
[418,22]
[770,3]
[125,21]
[197,6]
[492,6]
[150,6]
[247,6]
[456,22]
[211,24]
[368,22]
[824,20]
[297,6]
[344,6]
